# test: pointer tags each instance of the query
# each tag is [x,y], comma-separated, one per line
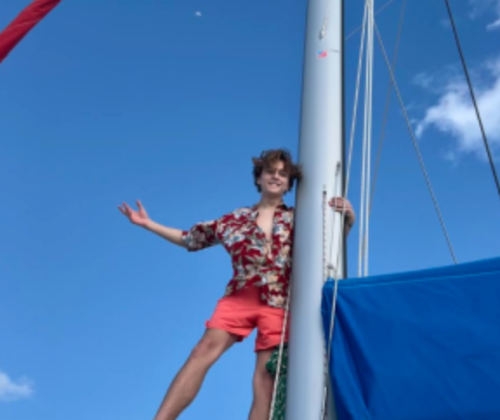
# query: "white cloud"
[494,25]
[11,390]
[424,80]
[198,14]
[453,112]
[484,6]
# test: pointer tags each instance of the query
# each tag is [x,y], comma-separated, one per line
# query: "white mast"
[321,157]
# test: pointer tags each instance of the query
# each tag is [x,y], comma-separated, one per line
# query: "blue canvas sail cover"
[422,345]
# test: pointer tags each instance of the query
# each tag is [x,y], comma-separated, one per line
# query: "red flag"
[22,24]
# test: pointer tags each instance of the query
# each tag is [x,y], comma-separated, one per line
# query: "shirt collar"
[255,208]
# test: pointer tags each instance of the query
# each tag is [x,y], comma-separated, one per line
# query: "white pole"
[320,152]
[367,145]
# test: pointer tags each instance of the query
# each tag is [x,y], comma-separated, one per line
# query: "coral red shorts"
[243,311]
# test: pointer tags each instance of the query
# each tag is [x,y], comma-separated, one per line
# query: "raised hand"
[139,217]
[338,204]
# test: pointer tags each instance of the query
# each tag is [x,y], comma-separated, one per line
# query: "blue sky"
[107,101]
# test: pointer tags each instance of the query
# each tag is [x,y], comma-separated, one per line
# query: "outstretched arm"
[141,218]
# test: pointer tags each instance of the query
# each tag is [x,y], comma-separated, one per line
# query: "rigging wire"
[415,144]
[392,82]
[381,9]
[366,155]
[473,96]
[387,105]
[353,126]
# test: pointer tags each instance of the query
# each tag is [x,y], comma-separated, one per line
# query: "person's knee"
[207,350]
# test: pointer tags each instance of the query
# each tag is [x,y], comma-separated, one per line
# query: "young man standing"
[259,241]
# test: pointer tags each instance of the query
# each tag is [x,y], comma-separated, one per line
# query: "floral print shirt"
[256,261]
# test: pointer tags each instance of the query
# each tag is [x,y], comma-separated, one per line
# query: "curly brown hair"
[270,157]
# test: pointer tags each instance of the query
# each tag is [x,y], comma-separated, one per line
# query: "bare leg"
[188,381]
[262,388]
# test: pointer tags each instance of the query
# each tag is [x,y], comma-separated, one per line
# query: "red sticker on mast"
[321,54]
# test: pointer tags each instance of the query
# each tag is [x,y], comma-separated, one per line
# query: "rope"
[325,223]
[280,353]
[329,271]
[415,144]
[325,277]
[473,96]
[330,339]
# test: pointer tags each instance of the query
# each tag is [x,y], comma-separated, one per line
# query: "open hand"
[338,204]
[139,217]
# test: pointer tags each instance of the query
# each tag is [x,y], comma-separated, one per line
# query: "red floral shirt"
[256,261]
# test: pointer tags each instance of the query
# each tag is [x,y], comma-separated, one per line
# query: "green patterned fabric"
[272,367]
